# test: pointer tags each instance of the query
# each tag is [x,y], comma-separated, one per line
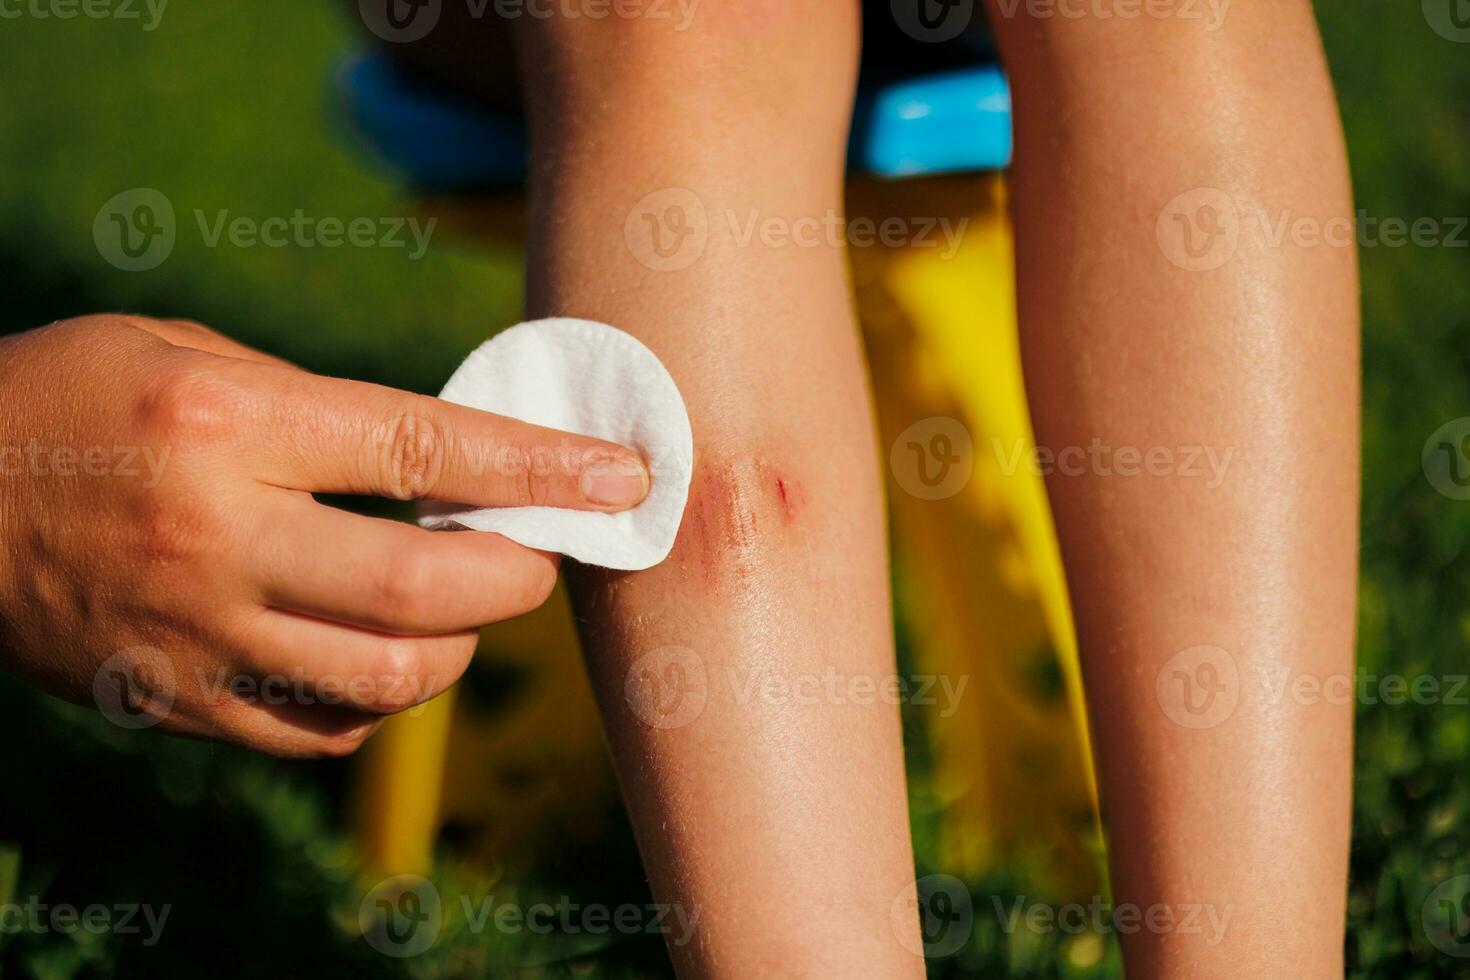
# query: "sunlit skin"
[780,816]
[1114,120]
[157,505]
[1253,363]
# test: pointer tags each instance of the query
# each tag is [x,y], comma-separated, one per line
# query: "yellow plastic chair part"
[979,578]
[979,575]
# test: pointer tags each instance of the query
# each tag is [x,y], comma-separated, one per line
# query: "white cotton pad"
[591,379]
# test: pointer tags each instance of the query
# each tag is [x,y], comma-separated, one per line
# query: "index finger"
[337,436]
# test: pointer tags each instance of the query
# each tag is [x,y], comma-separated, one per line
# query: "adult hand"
[166,561]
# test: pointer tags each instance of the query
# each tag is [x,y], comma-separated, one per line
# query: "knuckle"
[403,589]
[96,325]
[515,481]
[102,331]
[542,476]
[526,476]
[398,658]
[186,403]
[412,457]
[525,482]
[394,687]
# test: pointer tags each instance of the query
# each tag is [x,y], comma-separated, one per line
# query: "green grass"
[226,106]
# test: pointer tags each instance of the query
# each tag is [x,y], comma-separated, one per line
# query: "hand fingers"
[280,712]
[348,437]
[187,333]
[298,660]
[287,730]
[393,577]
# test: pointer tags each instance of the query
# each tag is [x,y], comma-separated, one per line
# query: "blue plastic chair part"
[958,121]
[438,142]
[955,122]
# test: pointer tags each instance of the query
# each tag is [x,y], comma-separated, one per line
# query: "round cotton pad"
[591,379]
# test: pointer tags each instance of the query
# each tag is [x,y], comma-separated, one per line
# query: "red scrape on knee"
[790,496]
[730,504]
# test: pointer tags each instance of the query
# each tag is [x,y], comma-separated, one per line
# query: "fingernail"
[614,481]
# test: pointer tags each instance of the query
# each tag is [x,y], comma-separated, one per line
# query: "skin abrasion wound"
[733,511]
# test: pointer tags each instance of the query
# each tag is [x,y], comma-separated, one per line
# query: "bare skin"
[166,562]
[772,807]
[1220,787]
[1235,551]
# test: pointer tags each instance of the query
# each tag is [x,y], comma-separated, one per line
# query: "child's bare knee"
[741,508]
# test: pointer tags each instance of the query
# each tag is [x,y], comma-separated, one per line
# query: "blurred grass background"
[226,106]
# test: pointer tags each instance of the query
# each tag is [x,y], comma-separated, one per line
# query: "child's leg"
[1160,313]
[763,774]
